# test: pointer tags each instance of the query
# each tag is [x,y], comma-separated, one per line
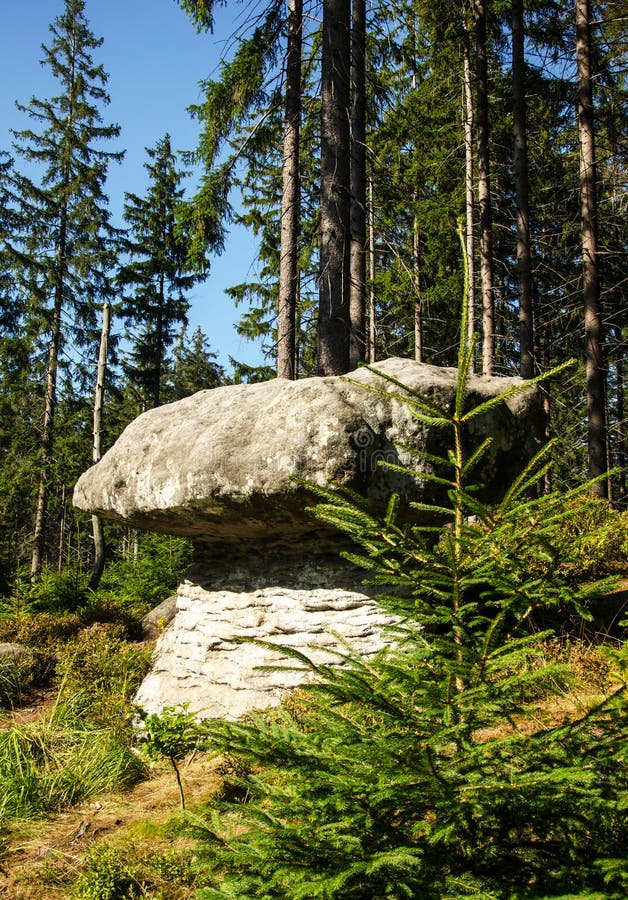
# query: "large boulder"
[218,466]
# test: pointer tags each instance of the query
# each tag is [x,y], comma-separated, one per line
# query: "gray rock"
[156,620]
[15,652]
[205,658]
[218,466]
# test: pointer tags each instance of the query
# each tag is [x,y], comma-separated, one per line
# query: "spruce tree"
[193,367]
[288,263]
[425,771]
[62,242]
[334,321]
[593,322]
[157,277]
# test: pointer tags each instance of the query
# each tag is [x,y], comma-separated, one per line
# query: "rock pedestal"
[205,657]
[226,468]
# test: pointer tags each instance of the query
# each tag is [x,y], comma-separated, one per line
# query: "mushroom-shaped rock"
[219,466]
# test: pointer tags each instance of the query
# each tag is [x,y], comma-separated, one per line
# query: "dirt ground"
[40,860]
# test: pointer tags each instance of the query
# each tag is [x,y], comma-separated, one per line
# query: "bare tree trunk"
[592,305]
[155,399]
[416,284]
[288,272]
[50,403]
[547,402]
[469,192]
[62,528]
[99,394]
[357,299]
[333,315]
[621,434]
[484,191]
[520,161]
[370,354]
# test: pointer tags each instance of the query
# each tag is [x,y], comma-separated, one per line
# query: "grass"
[132,842]
[138,831]
[60,760]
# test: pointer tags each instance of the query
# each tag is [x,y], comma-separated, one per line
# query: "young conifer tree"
[424,772]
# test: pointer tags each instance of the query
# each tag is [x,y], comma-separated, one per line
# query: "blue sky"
[155,60]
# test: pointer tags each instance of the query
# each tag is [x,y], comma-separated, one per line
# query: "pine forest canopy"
[351,139]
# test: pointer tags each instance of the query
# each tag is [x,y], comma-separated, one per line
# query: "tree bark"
[595,374]
[621,434]
[520,162]
[484,191]
[99,395]
[50,403]
[546,389]
[370,350]
[333,316]
[469,191]
[288,269]
[357,291]
[416,285]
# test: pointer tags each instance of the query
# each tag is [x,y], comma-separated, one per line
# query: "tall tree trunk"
[50,403]
[520,161]
[62,529]
[357,291]
[484,191]
[547,402]
[416,284]
[621,434]
[591,282]
[99,394]
[333,315]
[370,350]
[50,400]
[469,191]
[288,269]
[155,399]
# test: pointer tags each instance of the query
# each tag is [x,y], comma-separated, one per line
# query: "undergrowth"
[429,771]
[81,746]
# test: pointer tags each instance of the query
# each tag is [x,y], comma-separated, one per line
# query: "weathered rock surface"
[200,659]
[218,466]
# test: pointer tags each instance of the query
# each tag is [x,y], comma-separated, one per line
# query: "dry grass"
[41,860]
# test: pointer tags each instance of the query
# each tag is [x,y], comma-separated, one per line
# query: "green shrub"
[51,592]
[42,630]
[599,536]
[108,609]
[20,675]
[125,874]
[143,582]
[101,672]
[109,877]
[170,735]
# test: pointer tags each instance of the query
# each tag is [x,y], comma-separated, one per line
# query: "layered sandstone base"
[206,657]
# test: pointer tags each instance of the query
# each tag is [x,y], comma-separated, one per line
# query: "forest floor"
[42,859]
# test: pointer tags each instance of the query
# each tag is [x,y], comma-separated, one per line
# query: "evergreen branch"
[514,389]
[477,454]
[408,397]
